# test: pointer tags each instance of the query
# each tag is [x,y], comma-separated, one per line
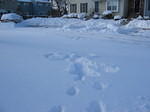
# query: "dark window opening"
[97,6]
[83,7]
[73,8]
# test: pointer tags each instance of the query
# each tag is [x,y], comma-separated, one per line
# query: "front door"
[139,7]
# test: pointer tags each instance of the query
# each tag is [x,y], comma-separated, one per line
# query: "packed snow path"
[55,70]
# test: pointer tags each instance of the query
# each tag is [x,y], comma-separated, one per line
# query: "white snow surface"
[72,65]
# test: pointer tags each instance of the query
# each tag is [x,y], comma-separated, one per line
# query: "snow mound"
[81,15]
[107,12]
[72,15]
[110,68]
[83,67]
[46,22]
[42,22]
[11,17]
[72,24]
[96,16]
[139,17]
[75,15]
[117,17]
[98,25]
[139,24]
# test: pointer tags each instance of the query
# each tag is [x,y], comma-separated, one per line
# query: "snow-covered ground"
[71,65]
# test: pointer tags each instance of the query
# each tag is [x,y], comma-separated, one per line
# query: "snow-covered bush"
[107,15]
[65,16]
[107,12]
[72,15]
[96,16]
[11,17]
[81,15]
[124,21]
[118,17]
[75,15]
[139,17]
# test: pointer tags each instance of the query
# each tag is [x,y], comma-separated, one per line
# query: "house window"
[83,7]
[113,5]
[73,8]
[97,6]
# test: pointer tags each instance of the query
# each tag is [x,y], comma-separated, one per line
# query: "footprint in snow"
[99,86]
[58,108]
[56,56]
[72,91]
[61,56]
[96,106]
[143,104]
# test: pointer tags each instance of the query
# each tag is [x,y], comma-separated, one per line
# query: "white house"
[118,7]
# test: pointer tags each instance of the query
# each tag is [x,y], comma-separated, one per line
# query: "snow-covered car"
[11,17]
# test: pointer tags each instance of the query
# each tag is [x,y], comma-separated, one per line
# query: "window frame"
[73,8]
[83,7]
[111,6]
[97,6]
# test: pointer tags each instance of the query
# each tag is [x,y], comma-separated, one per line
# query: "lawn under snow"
[71,65]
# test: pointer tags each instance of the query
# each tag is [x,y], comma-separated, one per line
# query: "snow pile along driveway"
[135,23]
[98,25]
[72,24]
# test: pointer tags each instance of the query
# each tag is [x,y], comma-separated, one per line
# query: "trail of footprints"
[81,68]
